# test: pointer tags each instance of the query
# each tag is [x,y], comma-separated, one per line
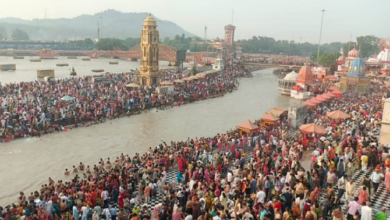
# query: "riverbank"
[34,159]
[69,114]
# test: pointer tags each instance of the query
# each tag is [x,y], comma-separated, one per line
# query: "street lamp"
[319,42]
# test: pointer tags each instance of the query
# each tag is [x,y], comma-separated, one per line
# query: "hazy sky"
[281,19]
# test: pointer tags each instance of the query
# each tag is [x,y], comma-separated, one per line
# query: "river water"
[27,163]
[27,71]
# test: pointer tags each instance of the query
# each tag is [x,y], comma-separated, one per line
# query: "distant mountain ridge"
[112,24]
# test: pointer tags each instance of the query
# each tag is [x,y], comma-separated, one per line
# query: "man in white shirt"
[341,186]
[261,196]
[376,179]
[230,177]
[366,212]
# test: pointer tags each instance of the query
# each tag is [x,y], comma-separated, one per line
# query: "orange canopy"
[276,111]
[314,100]
[269,117]
[312,128]
[329,94]
[309,103]
[320,98]
[338,115]
[326,96]
[247,126]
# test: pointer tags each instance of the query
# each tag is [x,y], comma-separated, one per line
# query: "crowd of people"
[231,176]
[36,108]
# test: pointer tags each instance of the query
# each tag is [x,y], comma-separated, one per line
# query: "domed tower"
[149,72]
[356,79]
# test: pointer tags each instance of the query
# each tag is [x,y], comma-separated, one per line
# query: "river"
[27,71]
[27,163]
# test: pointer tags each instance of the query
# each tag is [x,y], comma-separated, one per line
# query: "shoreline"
[58,126]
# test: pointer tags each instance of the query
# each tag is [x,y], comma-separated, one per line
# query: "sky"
[297,20]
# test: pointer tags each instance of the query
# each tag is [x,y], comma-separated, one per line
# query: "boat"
[113,62]
[86,59]
[98,70]
[8,67]
[62,64]
[35,60]
[72,57]
[18,58]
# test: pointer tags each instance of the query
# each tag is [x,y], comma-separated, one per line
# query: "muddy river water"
[26,164]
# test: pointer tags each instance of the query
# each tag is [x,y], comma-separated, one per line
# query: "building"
[229,35]
[385,124]
[384,57]
[218,64]
[304,84]
[149,72]
[356,79]
[352,55]
[285,84]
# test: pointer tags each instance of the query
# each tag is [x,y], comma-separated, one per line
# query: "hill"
[113,24]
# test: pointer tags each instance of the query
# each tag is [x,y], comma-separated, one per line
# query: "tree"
[328,59]
[3,33]
[88,42]
[19,35]
[111,44]
[367,45]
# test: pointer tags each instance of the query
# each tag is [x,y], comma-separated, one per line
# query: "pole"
[319,42]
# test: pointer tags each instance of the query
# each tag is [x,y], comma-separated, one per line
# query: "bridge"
[166,53]
[272,65]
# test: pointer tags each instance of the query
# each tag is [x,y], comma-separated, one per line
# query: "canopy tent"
[337,93]
[382,76]
[329,94]
[320,98]
[268,119]
[188,79]
[247,127]
[67,98]
[178,81]
[309,103]
[338,115]
[166,83]
[314,100]
[312,128]
[276,111]
[325,96]
[132,85]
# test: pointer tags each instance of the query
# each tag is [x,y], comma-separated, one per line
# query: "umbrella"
[132,85]
[166,83]
[329,94]
[187,79]
[320,98]
[314,100]
[338,115]
[309,103]
[67,98]
[381,76]
[312,128]
[178,81]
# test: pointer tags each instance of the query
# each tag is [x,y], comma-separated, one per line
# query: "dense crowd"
[232,176]
[36,108]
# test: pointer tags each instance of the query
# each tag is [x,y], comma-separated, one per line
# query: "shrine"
[356,79]
[149,71]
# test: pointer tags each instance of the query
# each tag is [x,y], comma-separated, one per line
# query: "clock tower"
[149,72]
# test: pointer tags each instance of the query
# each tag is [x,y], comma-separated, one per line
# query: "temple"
[356,79]
[285,84]
[149,72]
[303,84]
